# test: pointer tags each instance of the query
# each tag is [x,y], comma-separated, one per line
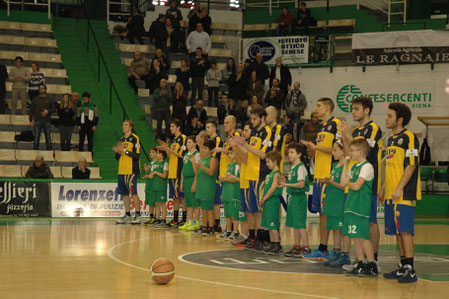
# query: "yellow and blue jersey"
[129,163]
[224,159]
[257,168]
[178,144]
[278,137]
[328,133]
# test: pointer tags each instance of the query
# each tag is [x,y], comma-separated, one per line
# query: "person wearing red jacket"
[285,21]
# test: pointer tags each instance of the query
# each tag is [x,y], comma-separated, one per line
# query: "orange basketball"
[162,271]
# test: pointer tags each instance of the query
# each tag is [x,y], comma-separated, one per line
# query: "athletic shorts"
[296,211]
[161,195]
[242,216]
[150,198]
[206,204]
[127,184]
[244,200]
[270,213]
[229,208]
[255,192]
[334,223]
[174,190]
[373,213]
[399,218]
[356,227]
[317,202]
[235,212]
[191,201]
[217,198]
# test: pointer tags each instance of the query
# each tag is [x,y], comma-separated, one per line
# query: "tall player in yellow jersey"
[401,189]
[175,152]
[127,151]
[211,131]
[328,133]
[370,131]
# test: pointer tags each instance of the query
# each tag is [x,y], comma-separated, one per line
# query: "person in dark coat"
[282,73]
[135,27]
[66,112]
[304,18]
[81,172]
[158,32]
[203,18]
[260,68]
[183,75]
[39,170]
[275,96]
[155,75]
[174,14]
[3,77]
[87,121]
[179,104]
[163,61]
[198,67]
[198,112]
[237,83]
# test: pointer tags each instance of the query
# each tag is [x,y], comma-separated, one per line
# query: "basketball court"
[95,258]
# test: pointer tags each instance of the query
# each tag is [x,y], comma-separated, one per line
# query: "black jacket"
[193,113]
[261,70]
[277,101]
[223,111]
[179,107]
[3,77]
[286,78]
[206,21]
[158,31]
[154,79]
[164,60]
[66,116]
[42,172]
[135,27]
[77,174]
[237,88]
[170,14]
[196,69]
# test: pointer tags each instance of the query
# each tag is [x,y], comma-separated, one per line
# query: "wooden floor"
[90,258]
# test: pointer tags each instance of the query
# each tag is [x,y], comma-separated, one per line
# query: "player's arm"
[408,172]
[300,184]
[212,166]
[164,147]
[262,152]
[337,185]
[410,163]
[162,174]
[344,174]
[181,187]
[357,185]
[273,187]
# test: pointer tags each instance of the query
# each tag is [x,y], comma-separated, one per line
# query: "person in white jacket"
[213,77]
[198,39]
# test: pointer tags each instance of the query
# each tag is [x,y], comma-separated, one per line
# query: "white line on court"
[111,255]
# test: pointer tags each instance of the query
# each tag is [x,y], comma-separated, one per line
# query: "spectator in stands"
[255,87]
[275,96]
[172,45]
[139,70]
[19,76]
[135,27]
[66,112]
[282,73]
[3,77]
[192,127]
[229,69]
[194,10]
[174,14]
[87,121]
[179,104]
[222,112]
[39,170]
[75,99]
[310,129]
[213,77]
[253,103]
[198,112]
[305,18]
[163,61]
[290,126]
[198,39]
[205,19]
[237,84]
[198,66]
[295,104]
[158,32]
[162,99]
[155,76]
[81,172]
[260,68]
[285,22]
[40,117]
[36,78]
[243,113]
[183,75]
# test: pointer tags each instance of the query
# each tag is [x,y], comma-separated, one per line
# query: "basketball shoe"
[409,275]
[293,250]
[395,274]
[137,220]
[316,255]
[124,220]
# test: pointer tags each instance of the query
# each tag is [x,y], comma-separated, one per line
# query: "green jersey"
[206,185]
[187,167]
[148,181]
[159,184]
[228,187]
[298,173]
[334,203]
[359,202]
[268,182]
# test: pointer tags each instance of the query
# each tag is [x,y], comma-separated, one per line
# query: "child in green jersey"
[271,203]
[159,175]
[359,180]
[206,185]
[188,177]
[334,204]
[150,198]
[297,185]
[229,197]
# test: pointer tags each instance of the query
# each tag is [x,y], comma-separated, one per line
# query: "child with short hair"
[150,198]
[271,203]
[188,177]
[205,188]
[159,175]
[297,185]
[231,211]
[334,205]
[359,180]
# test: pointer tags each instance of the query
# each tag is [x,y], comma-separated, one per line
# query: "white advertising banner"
[418,95]
[294,50]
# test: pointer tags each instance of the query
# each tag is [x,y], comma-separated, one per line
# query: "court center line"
[111,255]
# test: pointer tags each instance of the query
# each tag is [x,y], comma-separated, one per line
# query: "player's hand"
[193,189]
[347,159]
[282,184]
[282,179]
[79,128]
[306,143]
[118,149]
[346,130]
[232,142]
[262,202]
[151,176]
[146,167]
[181,188]
[396,195]
[325,180]
[94,128]
[381,195]
[221,179]
[32,124]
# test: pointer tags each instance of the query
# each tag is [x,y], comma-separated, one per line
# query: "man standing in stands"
[87,120]
[198,39]
[19,76]
[158,32]
[295,104]
[3,77]
[162,98]
[198,66]
[40,117]
[127,151]
[164,63]
[282,73]
[275,96]
[260,68]
[135,27]
[139,70]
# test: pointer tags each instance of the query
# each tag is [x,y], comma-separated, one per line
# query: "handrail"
[111,83]
[22,3]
